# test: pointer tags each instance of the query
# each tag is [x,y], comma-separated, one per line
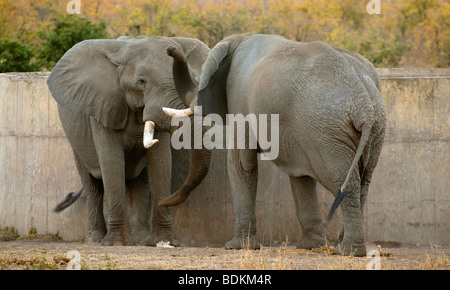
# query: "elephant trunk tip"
[175,54]
[170,50]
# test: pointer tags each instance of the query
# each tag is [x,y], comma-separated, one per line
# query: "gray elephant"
[102,88]
[331,127]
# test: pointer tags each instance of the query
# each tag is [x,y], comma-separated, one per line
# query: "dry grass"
[36,254]
[11,234]
[325,259]
[264,260]
[435,259]
[8,234]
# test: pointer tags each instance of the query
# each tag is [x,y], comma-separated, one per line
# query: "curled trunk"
[200,162]
[200,158]
[183,83]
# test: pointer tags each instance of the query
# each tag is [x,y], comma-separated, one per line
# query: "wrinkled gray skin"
[331,120]
[102,88]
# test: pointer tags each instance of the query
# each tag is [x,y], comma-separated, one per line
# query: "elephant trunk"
[200,162]
[200,158]
[183,83]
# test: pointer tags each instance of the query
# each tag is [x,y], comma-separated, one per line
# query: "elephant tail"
[365,135]
[70,199]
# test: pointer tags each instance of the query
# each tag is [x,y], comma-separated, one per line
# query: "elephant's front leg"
[111,158]
[243,174]
[159,167]
[138,216]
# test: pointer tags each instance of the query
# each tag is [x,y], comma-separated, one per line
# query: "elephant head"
[115,80]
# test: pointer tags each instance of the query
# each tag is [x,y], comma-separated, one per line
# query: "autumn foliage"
[407,33]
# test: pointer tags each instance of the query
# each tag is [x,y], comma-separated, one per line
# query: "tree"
[67,31]
[384,53]
[213,22]
[15,56]
[406,33]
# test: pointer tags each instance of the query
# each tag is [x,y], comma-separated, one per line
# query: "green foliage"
[353,14]
[384,53]
[15,56]
[67,31]
[110,265]
[217,24]
[158,17]
[40,31]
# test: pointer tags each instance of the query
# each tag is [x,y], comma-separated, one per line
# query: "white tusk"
[178,113]
[149,129]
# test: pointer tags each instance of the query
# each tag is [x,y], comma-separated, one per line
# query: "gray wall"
[408,202]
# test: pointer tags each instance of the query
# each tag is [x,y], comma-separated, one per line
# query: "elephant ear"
[212,95]
[85,80]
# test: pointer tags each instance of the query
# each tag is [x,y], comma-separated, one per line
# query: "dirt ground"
[51,254]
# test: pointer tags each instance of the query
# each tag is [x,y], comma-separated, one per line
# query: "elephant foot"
[347,249]
[164,235]
[309,242]
[95,236]
[141,236]
[118,237]
[237,243]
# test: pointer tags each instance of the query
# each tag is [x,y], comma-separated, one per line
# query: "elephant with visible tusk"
[120,144]
[331,126]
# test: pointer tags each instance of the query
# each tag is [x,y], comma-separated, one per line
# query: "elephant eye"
[141,82]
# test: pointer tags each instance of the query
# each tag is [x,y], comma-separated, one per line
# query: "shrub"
[67,31]
[15,56]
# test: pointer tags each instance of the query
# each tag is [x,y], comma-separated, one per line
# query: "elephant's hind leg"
[332,178]
[353,239]
[243,173]
[96,219]
[93,189]
[308,212]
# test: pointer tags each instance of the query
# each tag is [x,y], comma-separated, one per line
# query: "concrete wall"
[409,200]
[36,163]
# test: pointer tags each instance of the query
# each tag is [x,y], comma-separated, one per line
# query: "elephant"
[331,127]
[120,145]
